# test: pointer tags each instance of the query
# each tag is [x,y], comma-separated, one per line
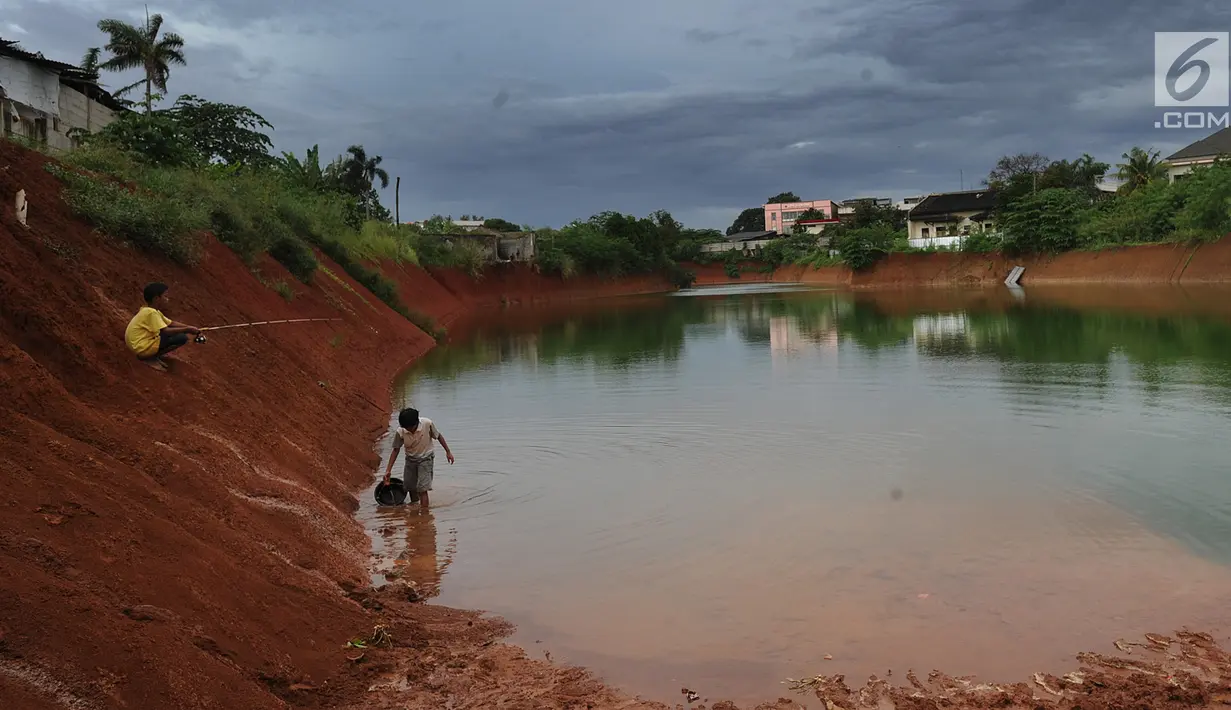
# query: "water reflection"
[1005,330]
[730,486]
[405,547]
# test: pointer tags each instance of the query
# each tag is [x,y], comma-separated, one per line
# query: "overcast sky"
[543,111]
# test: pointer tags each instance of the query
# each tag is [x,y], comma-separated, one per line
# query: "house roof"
[9,48]
[750,236]
[949,202]
[1217,144]
[68,73]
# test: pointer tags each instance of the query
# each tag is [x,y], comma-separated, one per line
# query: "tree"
[308,173]
[783,197]
[156,139]
[223,132]
[1082,174]
[750,220]
[862,247]
[808,214]
[1046,221]
[358,173]
[869,214]
[439,225]
[1018,177]
[134,47]
[1140,168]
[1011,166]
[89,61]
[501,225]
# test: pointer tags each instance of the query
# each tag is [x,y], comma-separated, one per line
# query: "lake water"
[719,489]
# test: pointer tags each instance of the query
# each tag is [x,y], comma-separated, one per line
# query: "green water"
[720,489]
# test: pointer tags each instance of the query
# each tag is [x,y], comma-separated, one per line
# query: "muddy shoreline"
[188,540]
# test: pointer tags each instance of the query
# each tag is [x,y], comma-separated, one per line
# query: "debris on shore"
[1188,671]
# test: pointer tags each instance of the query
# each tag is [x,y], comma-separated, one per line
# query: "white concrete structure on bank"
[1203,152]
[743,241]
[951,214]
[45,100]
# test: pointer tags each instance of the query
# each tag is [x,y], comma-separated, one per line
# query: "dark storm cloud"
[544,110]
[706,36]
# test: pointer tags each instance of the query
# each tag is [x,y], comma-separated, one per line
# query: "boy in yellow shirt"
[150,334]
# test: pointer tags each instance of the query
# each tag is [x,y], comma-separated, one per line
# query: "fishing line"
[201,336]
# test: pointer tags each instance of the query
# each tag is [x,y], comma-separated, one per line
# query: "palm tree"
[1140,168]
[361,172]
[133,47]
[358,173]
[89,62]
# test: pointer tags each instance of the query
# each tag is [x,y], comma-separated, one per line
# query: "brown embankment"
[1148,264]
[186,540]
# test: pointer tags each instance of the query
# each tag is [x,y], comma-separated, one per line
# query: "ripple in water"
[720,489]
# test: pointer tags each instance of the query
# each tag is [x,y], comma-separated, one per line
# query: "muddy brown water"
[718,490]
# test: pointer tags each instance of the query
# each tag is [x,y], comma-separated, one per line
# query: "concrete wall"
[935,242]
[516,248]
[719,247]
[1180,168]
[29,85]
[39,107]
[77,111]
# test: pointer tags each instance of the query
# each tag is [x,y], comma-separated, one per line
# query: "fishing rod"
[201,336]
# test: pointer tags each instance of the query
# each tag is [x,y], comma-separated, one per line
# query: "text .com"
[1194,119]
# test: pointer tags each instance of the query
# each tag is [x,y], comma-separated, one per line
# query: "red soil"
[1150,264]
[186,540]
[519,285]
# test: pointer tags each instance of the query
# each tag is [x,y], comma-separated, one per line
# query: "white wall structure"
[45,100]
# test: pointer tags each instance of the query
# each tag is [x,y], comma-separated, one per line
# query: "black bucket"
[391,493]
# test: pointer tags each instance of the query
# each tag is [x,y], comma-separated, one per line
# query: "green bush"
[1206,197]
[381,241]
[1046,221]
[861,247]
[819,258]
[156,139]
[469,257]
[156,223]
[297,257]
[679,276]
[105,159]
[788,249]
[426,324]
[730,263]
[982,242]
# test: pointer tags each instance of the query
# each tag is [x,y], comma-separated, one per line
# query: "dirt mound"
[1160,673]
[506,285]
[184,539]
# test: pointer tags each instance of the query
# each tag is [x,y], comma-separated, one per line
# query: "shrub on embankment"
[166,209]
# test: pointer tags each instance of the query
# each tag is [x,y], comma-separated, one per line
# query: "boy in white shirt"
[417,435]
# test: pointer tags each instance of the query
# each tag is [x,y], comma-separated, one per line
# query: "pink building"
[781,217]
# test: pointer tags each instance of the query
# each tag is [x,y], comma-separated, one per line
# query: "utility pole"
[397,192]
[962,179]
